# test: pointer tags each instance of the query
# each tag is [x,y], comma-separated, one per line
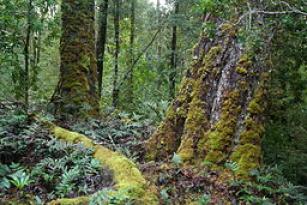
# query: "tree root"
[128,179]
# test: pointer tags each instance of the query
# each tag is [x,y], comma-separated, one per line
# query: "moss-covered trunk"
[217,114]
[76,93]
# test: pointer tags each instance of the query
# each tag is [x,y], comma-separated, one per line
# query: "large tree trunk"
[76,93]
[217,114]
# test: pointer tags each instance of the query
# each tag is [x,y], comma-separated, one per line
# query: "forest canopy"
[153,102]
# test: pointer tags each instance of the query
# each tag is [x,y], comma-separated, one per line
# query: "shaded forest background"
[286,132]
[148,47]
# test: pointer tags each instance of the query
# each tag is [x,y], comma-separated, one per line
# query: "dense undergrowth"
[36,166]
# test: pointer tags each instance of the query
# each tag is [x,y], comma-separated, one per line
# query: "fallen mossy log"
[128,179]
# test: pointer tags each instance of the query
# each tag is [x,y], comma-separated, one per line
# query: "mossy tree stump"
[76,93]
[217,114]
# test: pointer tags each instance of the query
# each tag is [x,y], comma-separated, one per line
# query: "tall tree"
[131,50]
[76,93]
[116,13]
[101,42]
[159,47]
[27,56]
[173,57]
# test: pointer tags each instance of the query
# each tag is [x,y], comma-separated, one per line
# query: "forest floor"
[176,184]
[34,164]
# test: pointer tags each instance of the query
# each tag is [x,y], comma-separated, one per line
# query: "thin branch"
[270,13]
[293,8]
[139,57]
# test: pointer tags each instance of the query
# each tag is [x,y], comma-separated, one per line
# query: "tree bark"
[27,57]
[159,49]
[116,53]
[76,95]
[101,43]
[173,59]
[131,51]
[217,115]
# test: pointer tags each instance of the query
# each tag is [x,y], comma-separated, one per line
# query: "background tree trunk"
[159,48]
[27,57]
[101,42]
[76,93]
[173,59]
[131,51]
[217,114]
[116,53]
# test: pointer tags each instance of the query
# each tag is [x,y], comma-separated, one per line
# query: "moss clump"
[126,174]
[194,128]
[241,70]
[248,153]
[215,156]
[229,29]
[75,201]
[163,142]
[251,124]
[250,137]
[220,137]
[243,65]
[209,60]
[247,156]
[72,137]
[254,106]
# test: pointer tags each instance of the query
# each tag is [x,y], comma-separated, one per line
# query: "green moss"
[162,142]
[196,120]
[209,59]
[126,174]
[243,65]
[72,137]
[220,137]
[85,63]
[229,29]
[202,143]
[170,113]
[196,116]
[186,149]
[254,107]
[194,128]
[251,124]
[250,136]
[215,156]
[248,153]
[248,158]
[241,70]
[77,83]
[245,60]
[75,201]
